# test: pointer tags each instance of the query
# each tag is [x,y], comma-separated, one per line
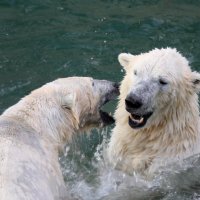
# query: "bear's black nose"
[132,102]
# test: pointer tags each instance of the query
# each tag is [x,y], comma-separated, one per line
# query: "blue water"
[41,40]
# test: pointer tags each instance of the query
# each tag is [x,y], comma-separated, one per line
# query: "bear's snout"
[133,102]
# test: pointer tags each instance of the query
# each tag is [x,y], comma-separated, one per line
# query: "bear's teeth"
[137,120]
[141,120]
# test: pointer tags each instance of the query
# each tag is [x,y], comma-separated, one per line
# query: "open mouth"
[138,121]
[106,118]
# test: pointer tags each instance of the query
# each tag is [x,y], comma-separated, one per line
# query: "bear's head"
[156,84]
[83,97]
[66,106]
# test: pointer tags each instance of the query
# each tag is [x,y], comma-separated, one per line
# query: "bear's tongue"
[136,118]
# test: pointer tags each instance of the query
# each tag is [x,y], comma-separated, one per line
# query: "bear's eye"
[135,72]
[163,82]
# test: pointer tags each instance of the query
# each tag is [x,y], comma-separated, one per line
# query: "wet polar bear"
[33,131]
[157,118]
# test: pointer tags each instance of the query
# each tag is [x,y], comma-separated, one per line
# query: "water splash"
[92,178]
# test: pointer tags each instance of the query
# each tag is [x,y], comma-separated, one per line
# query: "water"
[91,177]
[41,40]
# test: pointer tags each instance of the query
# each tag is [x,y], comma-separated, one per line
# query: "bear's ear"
[196,81]
[68,101]
[124,59]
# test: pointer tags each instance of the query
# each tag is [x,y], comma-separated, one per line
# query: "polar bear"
[157,118]
[33,131]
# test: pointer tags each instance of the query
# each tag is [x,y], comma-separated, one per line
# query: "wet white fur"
[33,131]
[173,129]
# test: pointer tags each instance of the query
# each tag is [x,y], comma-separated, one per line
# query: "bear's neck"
[174,133]
[47,121]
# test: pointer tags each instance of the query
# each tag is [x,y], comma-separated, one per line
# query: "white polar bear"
[33,131]
[157,118]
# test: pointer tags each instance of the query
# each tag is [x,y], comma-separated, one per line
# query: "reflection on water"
[41,40]
[90,177]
